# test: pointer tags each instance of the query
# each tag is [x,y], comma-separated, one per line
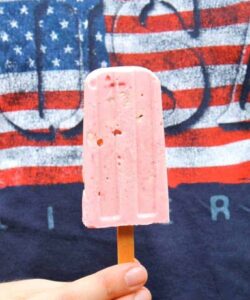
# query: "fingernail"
[143,295]
[136,276]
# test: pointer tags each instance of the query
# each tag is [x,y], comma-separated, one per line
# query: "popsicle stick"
[125,244]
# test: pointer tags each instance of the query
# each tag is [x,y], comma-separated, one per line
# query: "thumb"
[110,283]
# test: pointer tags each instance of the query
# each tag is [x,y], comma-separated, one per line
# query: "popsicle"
[124,170]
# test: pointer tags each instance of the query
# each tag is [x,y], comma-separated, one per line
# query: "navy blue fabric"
[194,257]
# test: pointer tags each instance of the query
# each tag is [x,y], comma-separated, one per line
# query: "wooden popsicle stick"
[125,244]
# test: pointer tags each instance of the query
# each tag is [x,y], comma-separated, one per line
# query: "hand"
[119,282]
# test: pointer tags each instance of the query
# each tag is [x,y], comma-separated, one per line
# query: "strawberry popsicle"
[124,149]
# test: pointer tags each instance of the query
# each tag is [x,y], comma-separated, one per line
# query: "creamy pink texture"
[124,149]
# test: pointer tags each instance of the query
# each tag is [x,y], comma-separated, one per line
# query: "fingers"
[110,283]
[25,288]
[142,294]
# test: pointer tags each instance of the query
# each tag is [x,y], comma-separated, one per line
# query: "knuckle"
[106,285]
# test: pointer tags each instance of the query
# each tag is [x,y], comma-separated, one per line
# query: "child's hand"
[120,282]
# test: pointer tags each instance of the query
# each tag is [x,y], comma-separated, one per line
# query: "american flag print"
[199,50]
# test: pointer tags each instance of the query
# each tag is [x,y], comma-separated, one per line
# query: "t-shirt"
[200,51]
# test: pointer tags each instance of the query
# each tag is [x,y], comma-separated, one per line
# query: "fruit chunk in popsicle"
[124,149]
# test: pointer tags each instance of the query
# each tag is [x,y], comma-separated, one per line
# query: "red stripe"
[193,98]
[61,175]
[191,138]
[213,17]
[29,101]
[184,58]
[234,174]
[206,137]
[15,139]
[59,100]
[40,176]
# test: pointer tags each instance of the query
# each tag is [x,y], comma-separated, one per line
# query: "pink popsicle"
[124,149]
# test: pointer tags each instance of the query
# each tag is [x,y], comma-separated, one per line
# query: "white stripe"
[30,120]
[212,117]
[195,157]
[173,40]
[40,156]
[191,78]
[180,79]
[177,157]
[133,8]
[52,81]
[66,119]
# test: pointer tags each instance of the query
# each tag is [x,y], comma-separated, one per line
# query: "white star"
[31,63]
[98,36]
[85,24]
[29,36]
[79,0]
[1,11]
[18,50]
[50,10]
[68,49]
[13,24]
[8,64]
[4,36]
[43,48]
[40,23]
[24,10]
[53,36]
[79,37]
[77,61]
[64,24]
[56,62]
[104,64]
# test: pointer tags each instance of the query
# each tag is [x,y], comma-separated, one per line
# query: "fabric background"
[200,52]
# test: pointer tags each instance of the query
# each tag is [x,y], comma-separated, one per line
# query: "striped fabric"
[200,50]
